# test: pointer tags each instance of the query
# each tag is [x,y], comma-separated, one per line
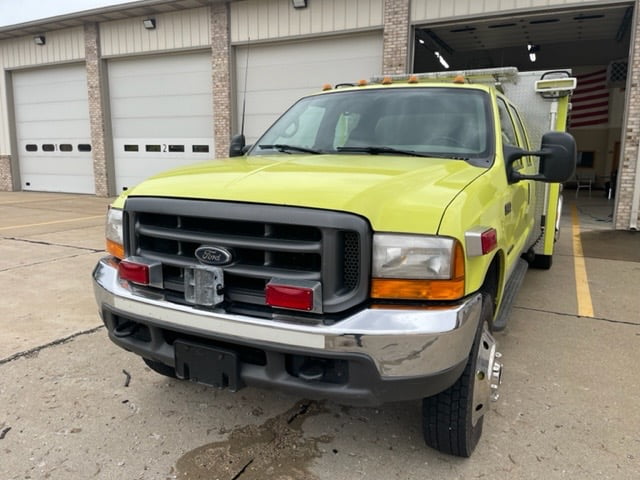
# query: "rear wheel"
[160,368]
[452,420]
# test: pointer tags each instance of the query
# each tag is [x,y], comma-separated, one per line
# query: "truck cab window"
[508,130]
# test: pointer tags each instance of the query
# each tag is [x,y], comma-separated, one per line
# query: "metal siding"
[159,100]
[51,107]
[61,46]
[272,19]
[279,74]
[428,10]
[176,30]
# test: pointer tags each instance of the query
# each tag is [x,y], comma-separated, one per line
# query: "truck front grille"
[267,242]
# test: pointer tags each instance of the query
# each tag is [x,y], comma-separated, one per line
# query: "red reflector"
[284,296]
[134,272]
[489,240]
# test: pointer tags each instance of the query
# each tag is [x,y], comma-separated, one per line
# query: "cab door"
[518,217]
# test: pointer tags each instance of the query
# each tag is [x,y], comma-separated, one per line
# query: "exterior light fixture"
[299,3]
[149,23]
[532,49]
[39,40]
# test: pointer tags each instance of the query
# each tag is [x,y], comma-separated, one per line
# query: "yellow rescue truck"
[363,250]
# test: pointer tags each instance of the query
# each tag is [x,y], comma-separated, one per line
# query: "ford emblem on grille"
[213,255]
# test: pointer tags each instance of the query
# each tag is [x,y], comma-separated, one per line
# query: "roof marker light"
[362,82]
[326,86]
[412,79]
[387,81]
[458,79]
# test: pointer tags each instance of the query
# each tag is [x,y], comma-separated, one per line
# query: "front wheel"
[452,420]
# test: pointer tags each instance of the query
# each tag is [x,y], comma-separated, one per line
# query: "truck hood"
[395,193]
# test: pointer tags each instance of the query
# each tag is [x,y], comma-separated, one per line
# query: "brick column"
[395,48]
[221,78]
[6,180]
[631,140]
[100,149]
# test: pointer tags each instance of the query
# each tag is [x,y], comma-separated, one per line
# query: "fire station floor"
[72,405]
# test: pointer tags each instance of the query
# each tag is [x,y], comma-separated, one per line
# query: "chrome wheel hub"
[487,377]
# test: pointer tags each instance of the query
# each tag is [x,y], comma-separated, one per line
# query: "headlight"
[417,267]
[412,256]
[113,233]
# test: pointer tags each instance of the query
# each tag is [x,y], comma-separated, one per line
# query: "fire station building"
[95,101]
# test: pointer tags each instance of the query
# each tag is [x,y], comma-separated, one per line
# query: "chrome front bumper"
[402,344]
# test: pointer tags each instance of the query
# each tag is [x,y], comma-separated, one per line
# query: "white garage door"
[52,129]
[161,114]
[279,74]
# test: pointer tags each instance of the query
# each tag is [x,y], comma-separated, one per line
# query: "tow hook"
[126,329]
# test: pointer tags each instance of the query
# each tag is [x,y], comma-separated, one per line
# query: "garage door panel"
[74,110]
[57,183]
[153,86]
[42,132]
[49,93]
[161,114]
[159,130]
[171,105]
[279,74]
[45,165]
[51,109]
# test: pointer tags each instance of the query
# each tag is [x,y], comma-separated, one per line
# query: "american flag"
[590,101]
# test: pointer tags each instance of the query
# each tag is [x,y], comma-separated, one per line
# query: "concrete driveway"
[73,406]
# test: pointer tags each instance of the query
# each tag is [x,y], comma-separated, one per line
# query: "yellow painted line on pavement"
[585,306]
[52,222]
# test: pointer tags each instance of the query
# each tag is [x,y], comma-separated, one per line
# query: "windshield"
[438,121]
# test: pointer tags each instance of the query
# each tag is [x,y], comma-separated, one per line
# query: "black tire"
[543,262]
[160,368]
[447,417]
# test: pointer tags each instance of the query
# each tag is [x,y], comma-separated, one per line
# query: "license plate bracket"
[204,285]
[213,366]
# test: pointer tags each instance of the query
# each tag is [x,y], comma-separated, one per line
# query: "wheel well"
[491,282]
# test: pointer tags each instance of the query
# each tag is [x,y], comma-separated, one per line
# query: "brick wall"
[628,163]
[221,76]
[6,181]
[395,50]
[99,148]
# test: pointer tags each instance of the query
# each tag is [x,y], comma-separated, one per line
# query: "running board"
[509,295]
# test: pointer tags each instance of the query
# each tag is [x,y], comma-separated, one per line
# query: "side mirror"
[236,149]
[557,159]
[558,164]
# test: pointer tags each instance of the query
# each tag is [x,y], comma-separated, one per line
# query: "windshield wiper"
[375,150]
[284,148]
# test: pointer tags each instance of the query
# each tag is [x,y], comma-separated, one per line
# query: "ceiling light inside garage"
[533,49]
[441,59]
